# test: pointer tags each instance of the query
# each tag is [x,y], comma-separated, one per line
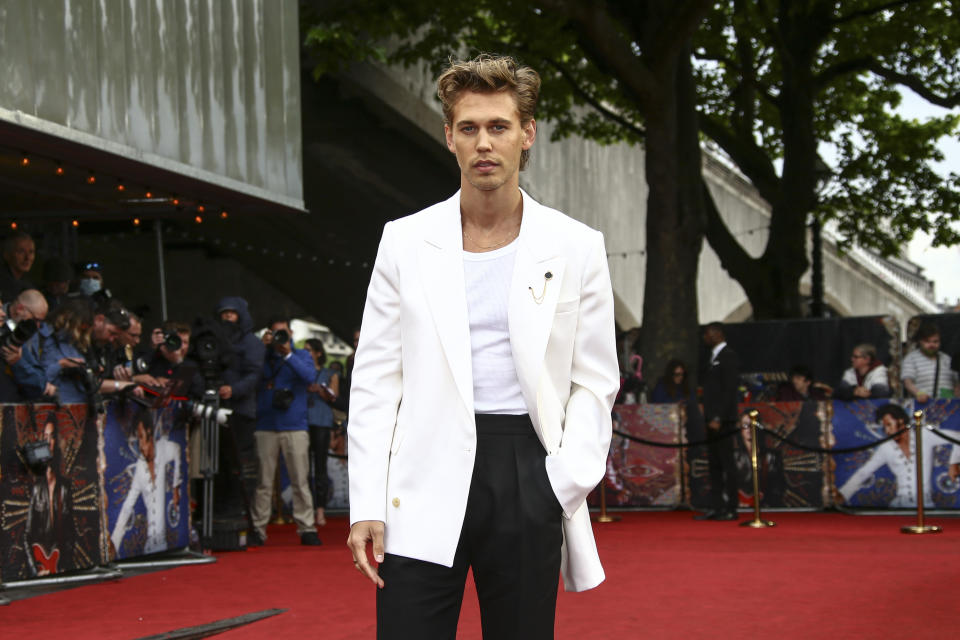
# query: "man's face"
[132,335]
[930,346]
[49,434]
[859,360]
[177,356]
[890,424]
[711,337]
[800,383]
[229,315]
[92,274]
[104,331]
[487,137]
[145,440]
[281,326]
[21,256]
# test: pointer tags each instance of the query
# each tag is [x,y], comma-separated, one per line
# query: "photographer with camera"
[21,376]
[282,427]
[169,356]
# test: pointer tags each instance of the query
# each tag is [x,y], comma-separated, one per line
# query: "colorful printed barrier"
[885,476]
[114,486]
[147,501]
[51,513]
[790,476]
[638,475]
[801,456]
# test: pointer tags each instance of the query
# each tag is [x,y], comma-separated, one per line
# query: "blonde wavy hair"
[490,74]
[74,321]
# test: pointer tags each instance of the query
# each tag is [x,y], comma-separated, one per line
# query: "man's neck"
[489,209]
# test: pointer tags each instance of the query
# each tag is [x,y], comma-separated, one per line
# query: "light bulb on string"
[136,222]
[75,223]
[92,178]
[59,170]
[25,160]
[148,194]
[120,187]
[223,215]
[198,219]
[201,208]
[13,225]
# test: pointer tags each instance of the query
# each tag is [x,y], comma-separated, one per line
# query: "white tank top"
[496,388]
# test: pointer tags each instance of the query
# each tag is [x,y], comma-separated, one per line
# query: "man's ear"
[529,133]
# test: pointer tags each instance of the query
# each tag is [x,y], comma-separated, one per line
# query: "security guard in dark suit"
[720,383]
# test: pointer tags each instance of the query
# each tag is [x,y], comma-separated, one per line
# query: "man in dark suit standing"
[720,381]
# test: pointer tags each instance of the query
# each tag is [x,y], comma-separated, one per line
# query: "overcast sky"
[942,265]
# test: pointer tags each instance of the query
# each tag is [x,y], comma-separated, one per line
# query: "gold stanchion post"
[604,516]
[757,522]
[918,459]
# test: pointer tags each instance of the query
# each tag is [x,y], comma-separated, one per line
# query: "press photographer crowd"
[70,341]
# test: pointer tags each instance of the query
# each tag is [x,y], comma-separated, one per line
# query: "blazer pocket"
[567,306]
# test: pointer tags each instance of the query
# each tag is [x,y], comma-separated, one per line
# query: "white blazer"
[412,432]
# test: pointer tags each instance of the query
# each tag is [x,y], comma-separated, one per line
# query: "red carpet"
[814,575]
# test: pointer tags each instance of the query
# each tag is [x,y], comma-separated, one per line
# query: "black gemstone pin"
[548,275]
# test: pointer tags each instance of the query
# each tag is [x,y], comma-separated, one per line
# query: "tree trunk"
[675,224]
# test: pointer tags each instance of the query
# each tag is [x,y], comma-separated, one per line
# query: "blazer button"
[396,502]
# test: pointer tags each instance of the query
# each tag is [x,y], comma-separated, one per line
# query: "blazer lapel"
[534,291]
[441,270]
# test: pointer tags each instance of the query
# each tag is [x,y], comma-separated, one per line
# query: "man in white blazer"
[482,387]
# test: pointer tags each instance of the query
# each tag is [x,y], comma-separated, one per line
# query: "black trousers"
[723,469]
[319,444]
[511,539]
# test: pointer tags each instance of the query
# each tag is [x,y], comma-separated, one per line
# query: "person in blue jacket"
[282,427]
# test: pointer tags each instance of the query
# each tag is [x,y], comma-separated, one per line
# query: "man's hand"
[954,471]
[861,392]
[922,397]
[49,390]
[120,372]
[225,392]
[714,424]
[12,355]
[149,380]
[361,533]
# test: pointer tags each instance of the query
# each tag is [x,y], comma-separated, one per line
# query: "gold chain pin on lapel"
[539,299]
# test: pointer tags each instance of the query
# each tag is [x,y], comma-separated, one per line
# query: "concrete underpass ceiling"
[362,166]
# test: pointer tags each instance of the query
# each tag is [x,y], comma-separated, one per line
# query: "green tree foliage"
[801,96]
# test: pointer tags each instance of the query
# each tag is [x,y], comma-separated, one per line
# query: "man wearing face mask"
[91,279]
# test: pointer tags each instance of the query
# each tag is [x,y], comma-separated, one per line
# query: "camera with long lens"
[211,351]
[15,334]
[172,341]
[281,336]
